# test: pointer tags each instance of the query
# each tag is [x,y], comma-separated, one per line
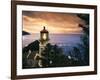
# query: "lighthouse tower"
[44,38]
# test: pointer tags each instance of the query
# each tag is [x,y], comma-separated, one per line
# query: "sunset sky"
[58,23]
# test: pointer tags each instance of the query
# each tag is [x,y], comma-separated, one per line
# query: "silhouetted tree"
[85,37]
[55,56]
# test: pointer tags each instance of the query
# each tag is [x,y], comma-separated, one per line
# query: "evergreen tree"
[85,37]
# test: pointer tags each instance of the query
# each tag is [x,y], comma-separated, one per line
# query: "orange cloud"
[33,22]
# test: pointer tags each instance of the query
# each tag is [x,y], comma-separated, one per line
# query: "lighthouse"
[44,38]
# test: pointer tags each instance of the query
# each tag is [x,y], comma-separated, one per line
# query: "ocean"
[59,39]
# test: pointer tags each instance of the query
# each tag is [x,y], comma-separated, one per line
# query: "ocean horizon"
[70,39]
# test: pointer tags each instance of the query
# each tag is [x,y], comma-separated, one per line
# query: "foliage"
[85,37]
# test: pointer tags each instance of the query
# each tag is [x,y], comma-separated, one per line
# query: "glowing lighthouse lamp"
[44,35]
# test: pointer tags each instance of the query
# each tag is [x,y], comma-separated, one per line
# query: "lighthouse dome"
[44,30]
